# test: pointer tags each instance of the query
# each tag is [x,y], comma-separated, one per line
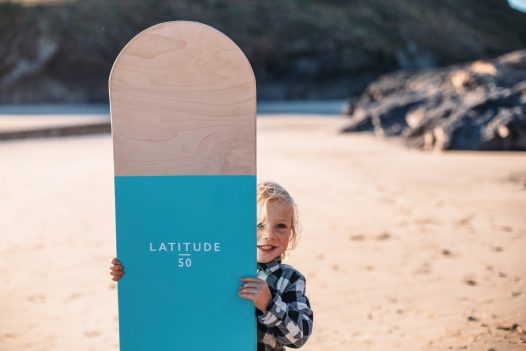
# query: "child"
[284,316]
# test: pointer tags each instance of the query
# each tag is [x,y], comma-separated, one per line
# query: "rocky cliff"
[63,51]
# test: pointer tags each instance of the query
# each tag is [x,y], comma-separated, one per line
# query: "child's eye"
[281,226]
[260,226]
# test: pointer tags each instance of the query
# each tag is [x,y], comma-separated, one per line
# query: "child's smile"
[273,232]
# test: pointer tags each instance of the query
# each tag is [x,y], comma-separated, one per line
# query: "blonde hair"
[268,192]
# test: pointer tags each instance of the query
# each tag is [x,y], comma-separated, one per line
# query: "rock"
[508,327]
[474,106]
[470,282]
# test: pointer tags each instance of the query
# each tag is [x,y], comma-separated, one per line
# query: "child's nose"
[267,232]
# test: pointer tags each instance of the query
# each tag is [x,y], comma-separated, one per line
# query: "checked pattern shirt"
[288,320]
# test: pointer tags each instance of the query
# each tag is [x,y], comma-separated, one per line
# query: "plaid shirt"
[288,320]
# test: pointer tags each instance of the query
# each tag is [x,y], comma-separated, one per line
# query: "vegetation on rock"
[63,51]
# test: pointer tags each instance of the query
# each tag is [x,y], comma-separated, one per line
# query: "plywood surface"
[183,102]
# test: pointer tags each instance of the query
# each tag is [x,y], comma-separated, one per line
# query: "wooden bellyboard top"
[183,102]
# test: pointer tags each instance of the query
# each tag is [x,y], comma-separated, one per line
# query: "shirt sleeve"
[289,316]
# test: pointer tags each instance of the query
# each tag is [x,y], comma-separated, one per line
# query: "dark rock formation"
[62,51]
[475,106]
[57,131]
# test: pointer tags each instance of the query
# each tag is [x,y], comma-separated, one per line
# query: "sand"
[402,250]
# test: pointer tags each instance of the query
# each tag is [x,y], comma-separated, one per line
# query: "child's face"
[273,233]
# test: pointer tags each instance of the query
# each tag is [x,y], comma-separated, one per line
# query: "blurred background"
[62,51]
[404,246]
[326,57]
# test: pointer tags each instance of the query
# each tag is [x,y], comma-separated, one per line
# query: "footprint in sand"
[9,336]
[464,221]
[468,280]
[383,236]
[36,247]
[405,211]
[357,237]
[369,268]
[92,333]
[388,200]
[425,268]
[73,296]
[447,253]
[392,299]
[36,298]
[425,221]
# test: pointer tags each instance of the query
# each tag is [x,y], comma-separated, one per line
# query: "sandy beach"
[402,249]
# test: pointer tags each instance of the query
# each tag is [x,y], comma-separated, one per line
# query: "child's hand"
[256,290]
[116,269]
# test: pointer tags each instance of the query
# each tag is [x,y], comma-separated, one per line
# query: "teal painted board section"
[185,241]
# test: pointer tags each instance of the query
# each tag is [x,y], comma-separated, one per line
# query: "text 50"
[184,262]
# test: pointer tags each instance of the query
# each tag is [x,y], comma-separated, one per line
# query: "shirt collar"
[270,266]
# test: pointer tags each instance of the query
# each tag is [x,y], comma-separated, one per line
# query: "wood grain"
[183,102]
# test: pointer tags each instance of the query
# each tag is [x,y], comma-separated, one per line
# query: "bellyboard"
[183,108]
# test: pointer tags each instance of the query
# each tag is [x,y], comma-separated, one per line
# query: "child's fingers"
[249,279]
[250,291]
[116,273]
[251,285]
[247,295]
[114,260]
[115,267]
[251,298]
